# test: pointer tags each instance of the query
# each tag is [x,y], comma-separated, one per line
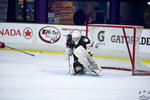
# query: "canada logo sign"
[49,34]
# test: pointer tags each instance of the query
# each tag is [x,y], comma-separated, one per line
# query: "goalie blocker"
[86,60]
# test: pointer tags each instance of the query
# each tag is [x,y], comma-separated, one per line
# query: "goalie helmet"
[76,35]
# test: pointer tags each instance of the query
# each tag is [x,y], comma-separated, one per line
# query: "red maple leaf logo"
[27,33]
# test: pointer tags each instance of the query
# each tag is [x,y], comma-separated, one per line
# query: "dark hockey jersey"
[83,41]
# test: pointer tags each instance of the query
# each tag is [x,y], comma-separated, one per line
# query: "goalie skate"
[86,60]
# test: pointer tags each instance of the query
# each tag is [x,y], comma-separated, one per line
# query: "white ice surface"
[45,77]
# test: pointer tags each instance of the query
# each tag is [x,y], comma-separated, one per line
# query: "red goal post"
[120,41]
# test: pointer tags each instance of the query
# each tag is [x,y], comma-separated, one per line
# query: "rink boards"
[48,38]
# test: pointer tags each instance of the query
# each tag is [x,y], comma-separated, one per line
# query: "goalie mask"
[76,36]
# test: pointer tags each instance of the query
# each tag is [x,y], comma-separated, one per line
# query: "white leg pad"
[86,60]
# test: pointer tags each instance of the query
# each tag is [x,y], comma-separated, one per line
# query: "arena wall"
[48,37]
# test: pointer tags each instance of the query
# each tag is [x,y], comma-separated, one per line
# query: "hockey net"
[119,47]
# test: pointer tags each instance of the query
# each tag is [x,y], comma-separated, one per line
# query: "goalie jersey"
[82,41]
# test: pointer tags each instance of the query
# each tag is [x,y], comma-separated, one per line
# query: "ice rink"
[45,77]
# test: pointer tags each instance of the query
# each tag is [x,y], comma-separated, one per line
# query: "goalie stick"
[69,64]
[20,51]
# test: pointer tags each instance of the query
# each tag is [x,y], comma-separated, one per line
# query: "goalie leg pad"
[86,60]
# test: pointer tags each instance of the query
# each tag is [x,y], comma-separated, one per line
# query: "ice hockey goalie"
[82,50]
